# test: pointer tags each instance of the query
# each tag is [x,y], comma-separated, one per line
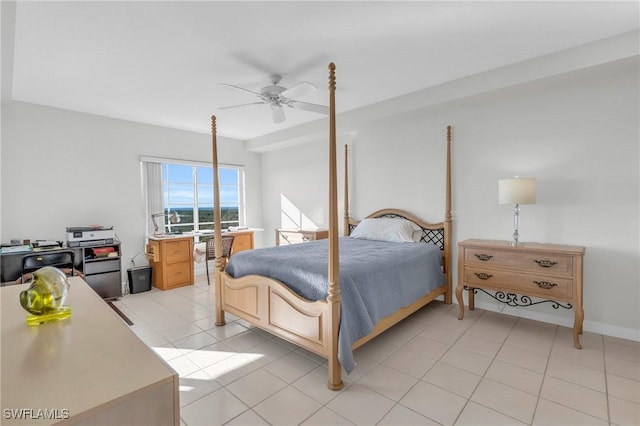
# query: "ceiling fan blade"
[242,88]
[278,114]
[241,105]
[320,109]
[299,89]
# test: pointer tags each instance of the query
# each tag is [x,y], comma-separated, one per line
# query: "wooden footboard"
[270,305]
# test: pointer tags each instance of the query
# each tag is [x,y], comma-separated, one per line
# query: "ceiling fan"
[277,96]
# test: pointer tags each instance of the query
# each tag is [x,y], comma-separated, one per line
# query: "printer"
[79,236]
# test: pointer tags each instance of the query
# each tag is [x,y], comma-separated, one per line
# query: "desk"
[90,367]
[102,273]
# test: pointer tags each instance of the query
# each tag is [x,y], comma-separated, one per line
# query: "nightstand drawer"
[546,263]
[531,284]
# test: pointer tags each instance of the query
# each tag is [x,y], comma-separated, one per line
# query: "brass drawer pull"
[545,263]
[482,275]
[545,284]
[483,257]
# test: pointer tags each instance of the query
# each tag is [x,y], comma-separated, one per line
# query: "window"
[187,190]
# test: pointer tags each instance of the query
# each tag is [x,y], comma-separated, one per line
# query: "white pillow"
[385,229]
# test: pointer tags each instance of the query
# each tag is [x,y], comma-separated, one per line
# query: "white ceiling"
[163,62]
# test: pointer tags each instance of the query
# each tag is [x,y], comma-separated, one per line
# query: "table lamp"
[516,191]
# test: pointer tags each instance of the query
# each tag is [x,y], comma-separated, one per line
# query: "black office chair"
[63,260]
[227,245]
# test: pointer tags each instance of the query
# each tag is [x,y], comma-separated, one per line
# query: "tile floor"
[489,369]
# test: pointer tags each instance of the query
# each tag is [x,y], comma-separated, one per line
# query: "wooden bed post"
[217,232]
[333,297]
[346,191]
[447,222]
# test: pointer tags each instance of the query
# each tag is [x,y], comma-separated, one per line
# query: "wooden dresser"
[295,236]
[547,271]
[171,260]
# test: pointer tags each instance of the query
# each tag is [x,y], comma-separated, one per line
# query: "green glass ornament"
[45,297]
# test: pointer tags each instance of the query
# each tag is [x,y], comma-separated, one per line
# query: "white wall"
[62,168]
[577,133]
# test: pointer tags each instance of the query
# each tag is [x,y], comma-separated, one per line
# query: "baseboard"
[589,326]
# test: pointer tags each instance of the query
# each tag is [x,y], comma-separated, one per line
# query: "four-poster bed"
[315,325]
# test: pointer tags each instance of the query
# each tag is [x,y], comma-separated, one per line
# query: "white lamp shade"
[517,191]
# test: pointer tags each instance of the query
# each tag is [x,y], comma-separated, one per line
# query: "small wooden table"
[547,271]
[88,369]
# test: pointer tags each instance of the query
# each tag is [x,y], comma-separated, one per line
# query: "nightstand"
[295,236]
[547,271]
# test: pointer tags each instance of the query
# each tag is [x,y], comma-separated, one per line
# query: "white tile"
[256,386]
[478,345]
[267,352]
[550,413]
[248,418]
[623,412]
[409,363]
[183,365]
[195,341]
[287,407]
[453,379]
[231,368]
[377,350]
[433,402]
[291,367]
[167,350]
[624,388]
[180,331]
[511,375]
[523,358]
[400,415]
[325,417]
[195,386]
[426,347]
[361,405]
[388,382]
[506,400]
[444,335]
[574,396]
[470,361]
[622,351]
[210,354]
[227,331]
[315,382]
[622,367]
[216,408]
[567,370]
[475,414]
[245,341]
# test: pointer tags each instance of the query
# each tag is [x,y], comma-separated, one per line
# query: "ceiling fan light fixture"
[277,96]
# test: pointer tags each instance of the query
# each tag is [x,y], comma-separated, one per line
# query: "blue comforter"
[376,279]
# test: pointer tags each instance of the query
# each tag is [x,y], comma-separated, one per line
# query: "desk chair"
[62,260]
[227,245]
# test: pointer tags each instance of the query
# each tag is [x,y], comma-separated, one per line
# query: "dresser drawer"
[242,242]
[178,274]
[177,251]
[546,263]
[99,266]
[544,286]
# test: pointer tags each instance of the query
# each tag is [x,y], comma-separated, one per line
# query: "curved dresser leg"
[460,302]
[577,327]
